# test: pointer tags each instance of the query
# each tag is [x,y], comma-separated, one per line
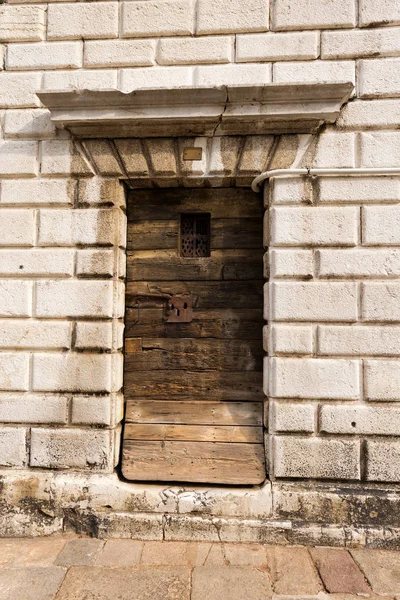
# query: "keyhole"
[178,312]
[185,305]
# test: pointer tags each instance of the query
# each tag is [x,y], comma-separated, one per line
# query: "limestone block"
[98,190]
[258,47]
[382,379]
[375,340]
[225,154]
[18,90]
[15,298]
[85,226]
[95,262]
[102,156]
[313,14]
[374,13]
[292,417]
[15,333]
[314,378]
[37,191]
[380,149]
[162,156]
[17,227]
[131,152]
[28,123]
[71,448]
[18,158]
[371,114]
[91,410]
[28,263]
[94,336]
[22,23]
[12,447]
[155,77]
[380,302]
[33,408]
[61,157]
[195,51]
[360,43]
[232,16]
[157,18]
[314,71]
[75,298]
[379,78]
[119,53]
[359,189]
[80,80]
[290,339]
[359,263]
[314,301]
[316,458]
[336,150]
[76,372]
[44,55]
[14,371]
[360,420]
[86,20]
[254,157]
[249,74]
[381,224]
[317,226]
[383,461]
[291,263]
[290,190]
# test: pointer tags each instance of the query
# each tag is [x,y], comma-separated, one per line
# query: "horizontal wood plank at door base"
[206,462]
[201,385]
[193,433]
[225,233]
[196,354]
[195,413]
[239,323]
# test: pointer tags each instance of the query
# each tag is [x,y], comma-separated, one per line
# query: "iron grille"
[195,235]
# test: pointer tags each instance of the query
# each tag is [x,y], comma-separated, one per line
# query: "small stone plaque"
[192,153]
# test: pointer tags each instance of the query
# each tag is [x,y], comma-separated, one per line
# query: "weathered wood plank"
[205,462]
[225,233]
[195,413]
[194,433]
[234,323]
[166,265]
[206,294]
[195,354]
[209,385]
[168,203]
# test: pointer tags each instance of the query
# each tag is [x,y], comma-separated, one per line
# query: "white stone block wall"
[334,255]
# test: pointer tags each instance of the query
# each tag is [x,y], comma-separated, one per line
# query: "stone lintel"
[217,111]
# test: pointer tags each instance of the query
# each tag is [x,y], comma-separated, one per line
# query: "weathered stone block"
[359,263]
[360,420]
[36,263]
[350,340]
[381,302]
[14,371]
[22,23]
[37,191]
[119,53]
[91,410]
[250,74]
[276,46]
[382,379]
[33,408]
[292,417]
[289,339]
[315,378]
[379,78]
[383,13]
[383,461]
[313,301]
[232,16]
[359,189]
[18,158]
[358,43]
[80,80]
[44,55]
[12,447]
[316,458]
[95,336]
[157,18]
[18,90]
[77,372]
[71,448]
[314,71]
[87,20]
[17,227]
[28,123]
[75,298]
[192,51]
[371,114]
[61,157]
[155,77]
[317,226]
[380,149]
[303,14]
[15,298]
[34,334]
[80,226]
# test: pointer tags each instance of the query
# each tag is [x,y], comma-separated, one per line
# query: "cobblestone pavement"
[72,568]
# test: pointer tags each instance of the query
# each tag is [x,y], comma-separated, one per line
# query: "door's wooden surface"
[194,390]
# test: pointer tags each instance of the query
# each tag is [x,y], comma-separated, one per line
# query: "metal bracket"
[180,308]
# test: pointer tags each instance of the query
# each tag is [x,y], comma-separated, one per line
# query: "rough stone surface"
[381,568]
[33,583]
[218,583]
[339,572]
[293,572]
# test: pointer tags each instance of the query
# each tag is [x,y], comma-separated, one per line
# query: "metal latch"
[180,308]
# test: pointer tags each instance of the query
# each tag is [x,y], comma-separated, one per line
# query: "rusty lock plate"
[180,309]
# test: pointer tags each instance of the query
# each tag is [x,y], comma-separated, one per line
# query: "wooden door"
[194,395]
